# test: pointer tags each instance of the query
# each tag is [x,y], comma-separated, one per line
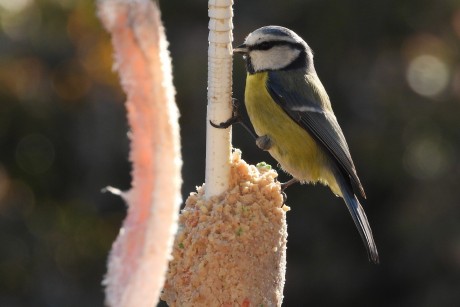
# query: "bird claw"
[224,125]
[284,186]
[236,118]
[284,198]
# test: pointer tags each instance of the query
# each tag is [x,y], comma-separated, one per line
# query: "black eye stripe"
[265,45]
[270,44]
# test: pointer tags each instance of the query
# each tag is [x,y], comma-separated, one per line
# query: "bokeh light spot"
[18,201]
[35,154]
[70,81]
[14,6]
[19,19]
[428,158]
[427,75]
[28,81]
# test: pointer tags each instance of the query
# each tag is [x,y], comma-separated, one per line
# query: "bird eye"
[265,46]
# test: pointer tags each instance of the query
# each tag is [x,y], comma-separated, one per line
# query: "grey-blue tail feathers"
[359,217]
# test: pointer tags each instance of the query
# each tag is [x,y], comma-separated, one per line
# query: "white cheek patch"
[275,58]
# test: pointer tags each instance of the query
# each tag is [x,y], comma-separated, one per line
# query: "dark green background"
[63,138]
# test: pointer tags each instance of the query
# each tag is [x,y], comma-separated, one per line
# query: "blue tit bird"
[292,116]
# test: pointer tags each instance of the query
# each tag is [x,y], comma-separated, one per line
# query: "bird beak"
[242,49]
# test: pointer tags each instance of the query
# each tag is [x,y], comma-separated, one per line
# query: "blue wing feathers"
[359,218]
[302,102]
[309,106]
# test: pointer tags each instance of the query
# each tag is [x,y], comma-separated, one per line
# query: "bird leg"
[288,183]
[235,119]
[285,185]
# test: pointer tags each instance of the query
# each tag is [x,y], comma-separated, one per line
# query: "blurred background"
[391,68]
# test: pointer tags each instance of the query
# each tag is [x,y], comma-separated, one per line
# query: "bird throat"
[249,66]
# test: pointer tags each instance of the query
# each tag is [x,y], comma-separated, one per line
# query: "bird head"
[275,48]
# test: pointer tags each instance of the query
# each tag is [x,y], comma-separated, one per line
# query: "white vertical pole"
[219,109]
